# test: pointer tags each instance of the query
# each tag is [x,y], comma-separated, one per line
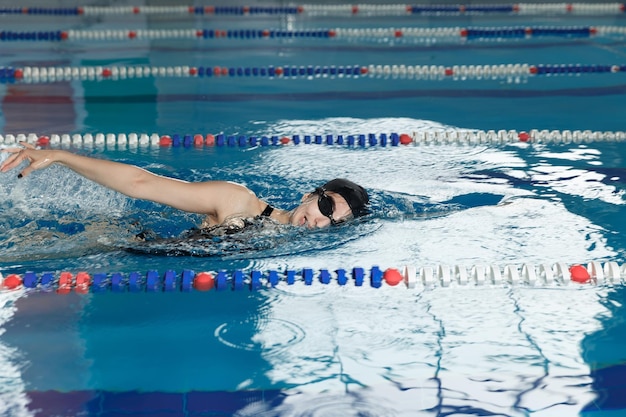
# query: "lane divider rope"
[331,10]
[560,274]
[197,140]
[420,34]
[509,72]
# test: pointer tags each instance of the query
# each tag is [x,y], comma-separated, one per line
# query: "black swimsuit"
[229,229]
[211,231]
[267,212]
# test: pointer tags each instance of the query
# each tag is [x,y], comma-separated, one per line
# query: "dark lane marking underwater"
[238,46]
[334,95]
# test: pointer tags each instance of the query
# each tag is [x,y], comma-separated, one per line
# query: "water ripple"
[269,335]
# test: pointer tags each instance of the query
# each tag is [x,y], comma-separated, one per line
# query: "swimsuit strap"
[267,212]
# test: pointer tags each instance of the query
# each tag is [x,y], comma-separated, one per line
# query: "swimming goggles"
[326,205]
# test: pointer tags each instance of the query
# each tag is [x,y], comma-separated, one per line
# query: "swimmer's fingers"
[13,160]
[36,159]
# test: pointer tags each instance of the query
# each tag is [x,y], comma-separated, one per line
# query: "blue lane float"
[56,11]
[187,280]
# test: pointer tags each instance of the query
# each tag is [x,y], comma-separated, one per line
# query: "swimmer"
[222,202]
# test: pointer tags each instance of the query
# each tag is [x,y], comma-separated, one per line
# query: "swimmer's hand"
[37,159]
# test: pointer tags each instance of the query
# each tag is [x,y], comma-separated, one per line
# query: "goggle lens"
[325,204]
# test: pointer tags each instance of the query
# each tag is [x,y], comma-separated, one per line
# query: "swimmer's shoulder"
[231,200]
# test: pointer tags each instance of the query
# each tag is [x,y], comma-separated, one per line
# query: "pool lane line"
[559,274]
[511,73]
[221,140]
[385,34]
[325,10]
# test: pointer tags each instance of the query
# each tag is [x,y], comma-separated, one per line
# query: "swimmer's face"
[308,213]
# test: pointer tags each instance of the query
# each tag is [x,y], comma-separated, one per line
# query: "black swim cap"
[354,194]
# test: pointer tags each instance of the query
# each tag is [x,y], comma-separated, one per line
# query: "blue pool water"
[321,350]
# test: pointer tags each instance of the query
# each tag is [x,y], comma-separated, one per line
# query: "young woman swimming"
[222,202]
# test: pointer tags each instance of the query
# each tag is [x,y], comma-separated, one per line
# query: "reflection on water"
[492,350]
[604,353]
[340,351]
[13,399]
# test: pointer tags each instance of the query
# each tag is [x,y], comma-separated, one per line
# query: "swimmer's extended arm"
[216,199]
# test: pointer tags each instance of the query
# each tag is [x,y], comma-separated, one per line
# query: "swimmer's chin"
[298,222]
[301,222]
